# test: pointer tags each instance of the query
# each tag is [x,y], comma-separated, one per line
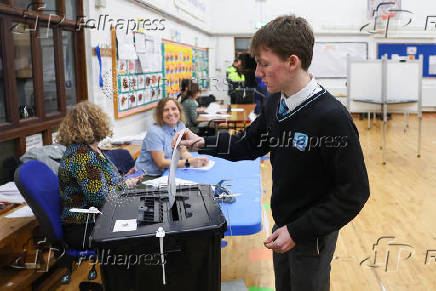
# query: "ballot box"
[131,257]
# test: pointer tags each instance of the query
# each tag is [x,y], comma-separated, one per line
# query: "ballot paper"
[125,225]
[163,181]
[173,166]
[25,211]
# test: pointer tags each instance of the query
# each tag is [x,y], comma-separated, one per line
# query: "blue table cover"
[244,215]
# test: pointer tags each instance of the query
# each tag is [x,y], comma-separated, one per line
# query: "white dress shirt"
[298,98]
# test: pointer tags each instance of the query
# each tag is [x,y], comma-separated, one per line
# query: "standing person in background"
[235,81]
[319,176]
[233,68]
[156,149]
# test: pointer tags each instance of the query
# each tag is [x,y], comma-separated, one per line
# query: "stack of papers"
[214,116]
[213,108]
[10,193]
[131,139]
[25,211]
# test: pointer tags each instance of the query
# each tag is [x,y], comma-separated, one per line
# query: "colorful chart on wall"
[200,63]
[177,59]
[137,84]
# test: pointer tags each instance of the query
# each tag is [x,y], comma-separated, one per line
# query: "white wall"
[229,16]
[224,54]
[125,9]
[335,21]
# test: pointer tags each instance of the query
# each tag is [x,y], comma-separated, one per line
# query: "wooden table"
[11,227]
[238,118]
[16,239]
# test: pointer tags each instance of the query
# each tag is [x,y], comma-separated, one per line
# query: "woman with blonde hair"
[86,175]
[156,148]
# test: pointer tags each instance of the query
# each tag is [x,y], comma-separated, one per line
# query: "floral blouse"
[85,179]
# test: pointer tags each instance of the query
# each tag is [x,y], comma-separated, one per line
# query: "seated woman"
[184,85]
[190,106]
[156,149]
[86,175]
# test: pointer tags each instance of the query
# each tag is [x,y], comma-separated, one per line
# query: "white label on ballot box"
[125,225]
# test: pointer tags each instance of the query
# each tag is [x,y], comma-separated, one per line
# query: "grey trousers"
[306,267]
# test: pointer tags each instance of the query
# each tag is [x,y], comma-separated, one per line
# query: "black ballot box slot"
[194,226]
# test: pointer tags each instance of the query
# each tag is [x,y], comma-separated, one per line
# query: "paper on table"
[172,173]
[9,188]
[25,211]
[212,108]
[125,225]
[163,181]
[215,116]
[12,198]
[10,193]
[233,110]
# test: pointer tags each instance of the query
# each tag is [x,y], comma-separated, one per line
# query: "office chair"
[204,101]
[40,188]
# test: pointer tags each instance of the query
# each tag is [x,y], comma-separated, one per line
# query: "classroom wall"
[129,9]
[226,15]
[224,54]
[332,21]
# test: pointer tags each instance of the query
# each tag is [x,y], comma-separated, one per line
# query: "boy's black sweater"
[319,176]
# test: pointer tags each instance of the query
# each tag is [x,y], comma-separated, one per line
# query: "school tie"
[283,110]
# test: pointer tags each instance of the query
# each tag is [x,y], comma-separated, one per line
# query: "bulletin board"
[134,89]
[183,61]
[200,63]
[412,51]
[330,58]
[177,60]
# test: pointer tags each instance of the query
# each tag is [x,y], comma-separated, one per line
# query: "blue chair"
[40,188]
[121,159]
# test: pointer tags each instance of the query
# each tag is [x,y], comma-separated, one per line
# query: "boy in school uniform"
[319,176]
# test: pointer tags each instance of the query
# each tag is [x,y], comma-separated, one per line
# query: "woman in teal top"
[190,106]
[156,148]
